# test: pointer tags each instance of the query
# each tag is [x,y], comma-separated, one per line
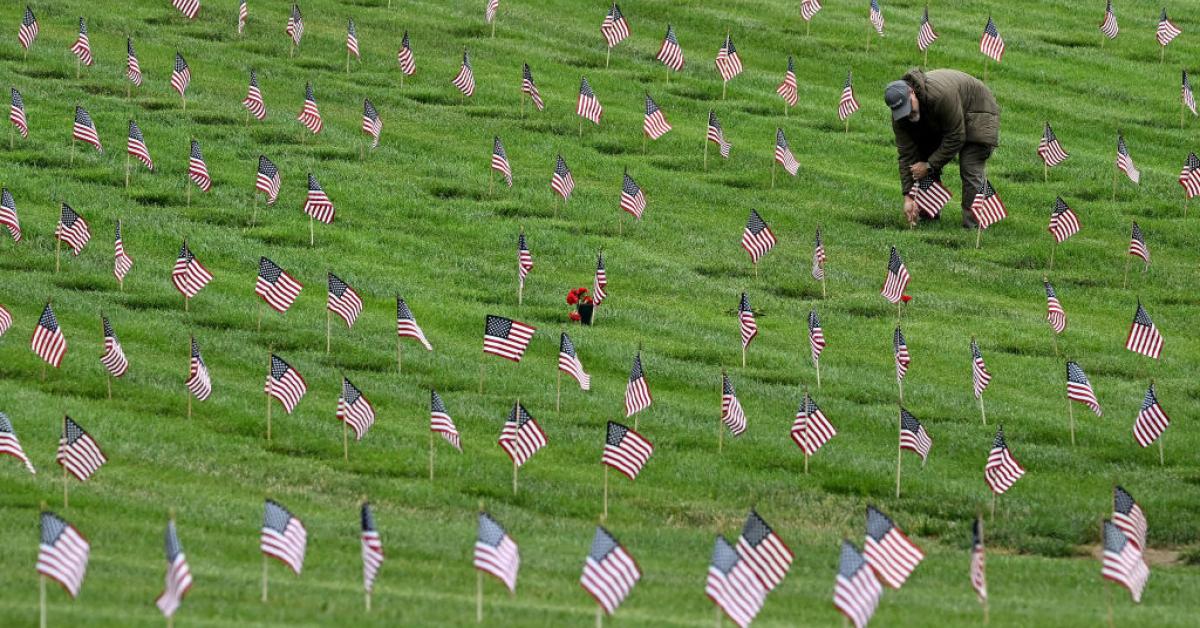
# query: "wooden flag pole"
[109,381]
[772,174]
[605,517]
[558,393]
[126,170]
[478,597]
[66,502]
[817,363]
[430,455]
[805,463]
[42,601]
[1161,460]
[900,386]
[1071,417]
[1162,56]
[1045,172]
[270,351]
[982,414]
[743,355]
[254,216]
[706,155]
[328,330]
[399,355]
[978,235]
[347,59]
[72,162]
[312,236]
[188,189]
[78,63]
[899,451]
[514,476]
[599,617]
[264,579]
[724,85]
[721,417]
[1125,280]
[345,442]
[1114,196]
[607,56]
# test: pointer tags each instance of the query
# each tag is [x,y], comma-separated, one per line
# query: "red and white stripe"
[609,572]
[1001,470]
[277,288]
[732,585]
[1150,423]
[625,450]
[811,430]
[506,338]
[62,553]
[285,384]
[889,552]
[188,8]
[78,453]
[284,537]
[189,276]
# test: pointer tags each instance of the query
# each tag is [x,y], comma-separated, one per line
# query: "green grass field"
[416,218]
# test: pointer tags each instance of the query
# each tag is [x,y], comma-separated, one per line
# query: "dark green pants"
[972,168]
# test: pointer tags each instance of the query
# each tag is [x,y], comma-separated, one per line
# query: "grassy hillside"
[416,218]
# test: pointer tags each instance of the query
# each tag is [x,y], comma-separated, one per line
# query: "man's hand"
[919,170]
[910,210]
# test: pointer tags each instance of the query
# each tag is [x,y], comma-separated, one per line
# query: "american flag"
[122,263]
[198,381]
[267,181]
[746,322]
[900,350]
[783,154]
[530,88]
[465,79]
[1166,30]
[283,536]
[637,393]
[521,436]
[1143,335]
[980,377]
[757,238]
[440,421]
[83,48]
[78,453]
[1001,470]
[355,410]
[632,198]
[16,113]
[189,275]
[816,337]
[197,169]
[1189,99]
[85,130]
[809,9]
[284,384]
[588,106]
[561,181]
[876,17]
[1050,150]
[243,13]
[1151,421]
[764,552]
[404,56]
[732,586]
[489,12]
[48,340]
[506,338]
[181,75]
[72,229]
[29,29]
[926,35]
[372,548]
[600,281]
[1125,161]
[1137,244]
[1128,516]
[275,286]
[670,53]
[309,115]
[343,300]
[295,25]
[254,100]
[987,206]
[1055,315]
[500,161]
[317,203]
[187,7]
[406,324]
[5,320]
[889,552]
[9,445]
[931,196]
[991,44]
[62,553]
[897,278]
[847,105]
[625,450]
[913,436]
[371,124]
[787,89]
[731,409]
[1189,177]
[655,124]
[1080,389]
[133,69]
[856,591]
[524,259]
[818,265]
[978,561]
[1109,25]
[728,63]
[136,146]
[496,553]
[568,362]
[179,575]
[352,39]
[609,572]
[1063,221]
[810,429]
[614,27]
[113,358]
[1123,562]
[716,134]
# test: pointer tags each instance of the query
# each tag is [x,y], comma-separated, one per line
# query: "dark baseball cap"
[896,97]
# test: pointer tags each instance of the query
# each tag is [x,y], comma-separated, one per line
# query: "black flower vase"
[585,311]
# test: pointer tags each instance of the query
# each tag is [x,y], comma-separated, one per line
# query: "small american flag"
[818,265]
[1080,389]
[275,286]
[764,552]
[716,134]
[987,206]
[1137,244]
[931,196]
[913,436]
[136,146]
[1123,562]
[309,115]
[561,181]
[5,320]
[1189,177]
[746,322]
[889,552]
[295,25]
[897,278]
[847,105]
[655,124]
[1189,99]
[978,561]
[62,553]
[1143,335]
[189,276]
[72,229]
[254,100]
[489,12]
[980,377]
[588,106]
[787,89]
[506,338]
[1050,150]
[133,69]
[317,203]
[991,44]
[355,410]
[500,161]
[728,63]
[1063,221]
[568,362]
[29,29]
[856,591]
[926,35]
[465,79]
[1109,25]
[625,450]
[530,88]
[440,421]
[372,548]
[179,575]
[344,300]
[900,351]
[122,263]
[9,445]
[496,553]
[243,14]
[267,181]
[783,154]
[1001,470]
[1055,315]
[371,124]
[524,259]
[16,114]
[609,572]
[83,48]
[876,17]
[600,281]
[757,238]
[404,57]
[1166,30]
[285,384]
[810,429]
[198,381]
[637,393]
[1125,161]
[48,341]
[670,53]
[406,324]
[733,586]
[809,9]
[614,28]
[521,436]
[284,537]
[197,169]
[181,75]
[1151,421]
[633,200]
[352,39]
[732,414]
[1128,516]
[78,453]
[113,358]
[188,8]
[85,130]
[816,337]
